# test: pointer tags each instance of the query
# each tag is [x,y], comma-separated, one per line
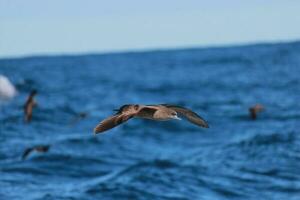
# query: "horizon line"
[145,50]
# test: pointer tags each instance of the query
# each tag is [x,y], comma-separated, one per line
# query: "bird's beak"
[176,117]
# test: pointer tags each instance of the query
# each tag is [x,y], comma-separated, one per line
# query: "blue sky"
[76,26]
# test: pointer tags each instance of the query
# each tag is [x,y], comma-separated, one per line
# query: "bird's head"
[33,92]
[173,115]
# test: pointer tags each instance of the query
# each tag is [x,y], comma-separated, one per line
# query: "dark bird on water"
[38,148]
[29,105]
[160,112]
[254,110]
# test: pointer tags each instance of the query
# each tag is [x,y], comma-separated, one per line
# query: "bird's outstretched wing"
[26,153]
[189,115]
[29,104]
[112,122]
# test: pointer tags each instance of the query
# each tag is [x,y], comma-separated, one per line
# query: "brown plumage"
[38,148]
[254,110]
[29,105]
[159,112]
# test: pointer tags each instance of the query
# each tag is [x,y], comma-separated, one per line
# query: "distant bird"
[160,112]
[38,148]
[82,115]
[7,89]
[29,105]
[254,110]
[78,117]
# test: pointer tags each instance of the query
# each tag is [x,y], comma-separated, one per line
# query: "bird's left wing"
[26,153]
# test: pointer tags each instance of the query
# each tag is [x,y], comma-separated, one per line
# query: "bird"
[78,117]
[29,105]
[159,112]
[38,148]
[254,110]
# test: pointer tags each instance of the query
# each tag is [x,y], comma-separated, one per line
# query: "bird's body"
[29,105]
[153,112]
[254,110]
[38,148]
[160,112]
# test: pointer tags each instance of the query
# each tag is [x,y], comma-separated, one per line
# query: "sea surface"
[236,158]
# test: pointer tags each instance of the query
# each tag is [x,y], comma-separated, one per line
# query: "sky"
[42,27]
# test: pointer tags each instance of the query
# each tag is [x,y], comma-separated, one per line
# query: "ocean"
[236,158]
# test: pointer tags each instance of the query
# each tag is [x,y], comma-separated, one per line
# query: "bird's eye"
[173,114]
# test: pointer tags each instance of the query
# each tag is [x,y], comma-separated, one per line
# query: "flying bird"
[38,148]
[29,105]
[254,110]
[160,112]
[78,117]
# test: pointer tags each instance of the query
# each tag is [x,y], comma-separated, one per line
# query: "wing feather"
[112,122]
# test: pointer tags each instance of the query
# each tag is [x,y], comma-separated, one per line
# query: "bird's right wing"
[112,122]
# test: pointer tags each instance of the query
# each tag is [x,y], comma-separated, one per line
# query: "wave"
[25,169]
[267,139]
[139,175]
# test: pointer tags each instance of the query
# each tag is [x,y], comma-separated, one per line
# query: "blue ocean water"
[236,158]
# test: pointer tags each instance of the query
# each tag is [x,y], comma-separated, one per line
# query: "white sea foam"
[7,89]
